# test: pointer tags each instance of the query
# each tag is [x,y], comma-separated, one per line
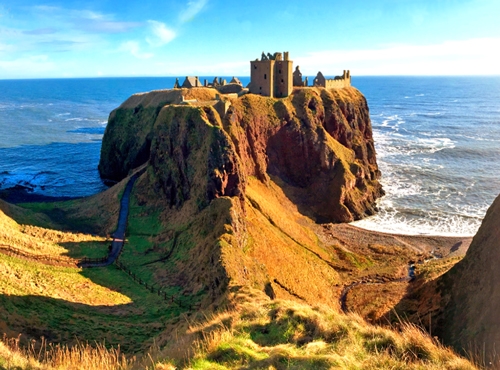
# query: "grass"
[64,304]
[97,214]
[258,333]
[281,334]
[45,356]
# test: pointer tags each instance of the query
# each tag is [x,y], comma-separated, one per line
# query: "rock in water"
[317,145]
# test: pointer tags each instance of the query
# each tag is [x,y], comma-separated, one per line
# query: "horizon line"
[239,76]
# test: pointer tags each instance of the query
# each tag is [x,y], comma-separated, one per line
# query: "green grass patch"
[85,309]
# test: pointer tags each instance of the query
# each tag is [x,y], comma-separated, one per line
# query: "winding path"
[373,280]
[119,234]
[370,281]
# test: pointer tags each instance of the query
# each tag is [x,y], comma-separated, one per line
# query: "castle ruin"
[272,76]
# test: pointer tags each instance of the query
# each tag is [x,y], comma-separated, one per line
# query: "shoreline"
[409,233]
[348,234]
[444,246]
[20,194]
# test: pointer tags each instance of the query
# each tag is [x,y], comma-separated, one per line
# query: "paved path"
[119,234]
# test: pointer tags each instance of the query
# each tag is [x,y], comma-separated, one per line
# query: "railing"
[15,252]
[86,260]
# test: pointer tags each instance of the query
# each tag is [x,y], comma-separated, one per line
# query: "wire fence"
[155,290]
[58,261]
[102,261]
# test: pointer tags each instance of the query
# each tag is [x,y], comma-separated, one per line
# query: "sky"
[107,38]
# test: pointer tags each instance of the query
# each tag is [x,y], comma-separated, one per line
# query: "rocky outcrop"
[234,183]
[470,320]
[316,144]
[193,157]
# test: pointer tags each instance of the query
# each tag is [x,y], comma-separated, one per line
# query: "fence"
[153,289]
[58,261]
[92,261]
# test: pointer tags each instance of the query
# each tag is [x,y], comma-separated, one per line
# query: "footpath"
[119,235]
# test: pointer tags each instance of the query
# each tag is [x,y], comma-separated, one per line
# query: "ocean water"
[438,148]
[437,142]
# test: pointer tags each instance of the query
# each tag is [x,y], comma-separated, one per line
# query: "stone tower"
[272,75]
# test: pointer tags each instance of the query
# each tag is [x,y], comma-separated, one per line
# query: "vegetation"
[285,334]
[259,333]
[213,234]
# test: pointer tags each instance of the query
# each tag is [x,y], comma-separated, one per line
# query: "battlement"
[337,82]
[271,75]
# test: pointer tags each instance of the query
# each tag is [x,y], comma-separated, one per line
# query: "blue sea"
[437,142]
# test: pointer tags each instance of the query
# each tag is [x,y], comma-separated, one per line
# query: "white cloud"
[473,56]
[5,47]
[193,8]
[161,34]
[133,48]
[33,66]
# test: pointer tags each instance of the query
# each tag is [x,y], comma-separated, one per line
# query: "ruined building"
[272,76]
[337,82]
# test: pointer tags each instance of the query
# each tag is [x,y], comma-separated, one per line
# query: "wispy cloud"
[95,22]
[134,48]
[161,34]
[27,67]
[86,20]
[472,56]
[41,31]
[193,8]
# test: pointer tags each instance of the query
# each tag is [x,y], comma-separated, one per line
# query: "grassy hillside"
[224,264]
[66,304]
[259,333]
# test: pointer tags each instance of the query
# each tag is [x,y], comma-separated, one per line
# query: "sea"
[437,141]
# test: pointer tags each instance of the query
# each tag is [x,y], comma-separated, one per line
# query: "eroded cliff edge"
[237,185]
[316,144]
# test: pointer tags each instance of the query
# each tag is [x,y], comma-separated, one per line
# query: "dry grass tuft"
[259,333]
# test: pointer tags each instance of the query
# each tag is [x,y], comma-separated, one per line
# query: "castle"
[270,76]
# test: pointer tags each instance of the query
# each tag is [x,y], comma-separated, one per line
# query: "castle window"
[255,66]
[265,76]
[279,71]
[282,81]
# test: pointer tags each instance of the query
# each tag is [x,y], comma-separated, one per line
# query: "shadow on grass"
[132,326]
[88,249]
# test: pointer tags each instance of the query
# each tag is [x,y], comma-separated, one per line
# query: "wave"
[88,130]
[426,224]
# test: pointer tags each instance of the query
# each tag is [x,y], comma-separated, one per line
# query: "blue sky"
[45,39]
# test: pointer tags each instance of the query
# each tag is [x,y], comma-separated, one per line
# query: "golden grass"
[38,240]
[259,333]
[24,278]
[83,356]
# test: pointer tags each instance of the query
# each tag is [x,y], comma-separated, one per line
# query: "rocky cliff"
[237,183]
[471,290]
[317,144]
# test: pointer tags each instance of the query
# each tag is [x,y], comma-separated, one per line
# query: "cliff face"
[317,144]
[472,290]
[238,182]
